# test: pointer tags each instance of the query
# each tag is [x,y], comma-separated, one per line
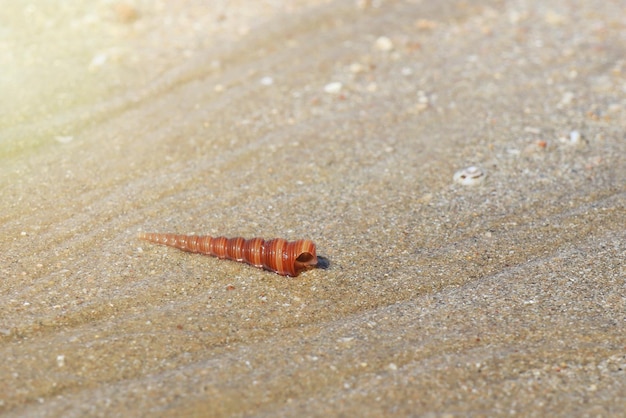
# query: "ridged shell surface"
[287,258]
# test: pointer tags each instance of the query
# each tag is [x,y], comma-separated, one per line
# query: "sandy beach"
[461,165]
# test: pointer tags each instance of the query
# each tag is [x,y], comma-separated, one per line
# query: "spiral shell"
[277,255]
[469,176]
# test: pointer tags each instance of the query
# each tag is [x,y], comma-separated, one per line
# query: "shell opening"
[307,258]
[305,261]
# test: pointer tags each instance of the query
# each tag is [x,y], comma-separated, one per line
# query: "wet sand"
[343,123]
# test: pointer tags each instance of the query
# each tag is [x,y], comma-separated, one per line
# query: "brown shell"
[277,255]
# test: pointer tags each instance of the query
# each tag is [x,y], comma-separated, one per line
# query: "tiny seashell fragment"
[356,68]
[98,61]
[267,81]
[125,13]
[333,88]
[469,176]
[425,24]
[383,44]
[64,139]
[574,137]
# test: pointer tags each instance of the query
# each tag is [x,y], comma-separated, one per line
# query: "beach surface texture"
[460,166]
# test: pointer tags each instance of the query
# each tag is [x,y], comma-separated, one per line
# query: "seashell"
[574,137]
[277,255]
[469,176]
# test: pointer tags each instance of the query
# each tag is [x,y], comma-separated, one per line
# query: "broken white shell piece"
[333,88]
[574,137]
[469,176]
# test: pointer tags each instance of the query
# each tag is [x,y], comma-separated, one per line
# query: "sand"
[343,122]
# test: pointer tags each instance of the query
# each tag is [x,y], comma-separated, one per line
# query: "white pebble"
[63,139]
[333,88]
[574,137]
[469,176]
[422,97]
[383,44]
[267,81]
[356,68]
[98,61]
[60,360]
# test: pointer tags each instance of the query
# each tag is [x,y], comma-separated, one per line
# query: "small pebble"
[333,88]
[574,137]
[125,12]
[424,24]
[98,60]
[383,44]
[64,139]
[60,360]
[422,97]
[356,68]
[267,81]
[469,176]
